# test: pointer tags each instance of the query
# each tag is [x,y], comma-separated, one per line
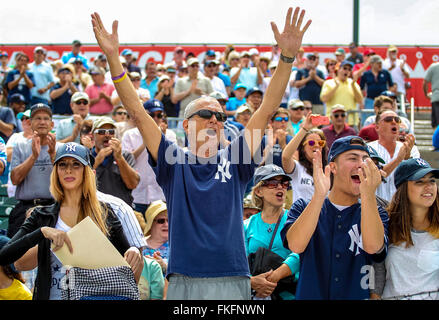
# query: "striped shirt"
[125,213]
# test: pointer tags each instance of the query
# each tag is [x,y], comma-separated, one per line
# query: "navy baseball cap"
[17,97]
[413,169]
[74,150]
[388,93]
[153,105]
[374,154]
[345,144]
[268,171]
[253,90]
[38,107]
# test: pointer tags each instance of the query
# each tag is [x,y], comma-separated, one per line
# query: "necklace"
[269,229]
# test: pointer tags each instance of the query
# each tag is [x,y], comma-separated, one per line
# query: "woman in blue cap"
[73,186]
[268,193]
[412,262]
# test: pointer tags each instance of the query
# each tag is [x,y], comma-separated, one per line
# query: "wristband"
[287,59]
[119,78]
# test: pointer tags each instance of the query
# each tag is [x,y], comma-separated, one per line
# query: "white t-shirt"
[148,189]
[302,183]
[218,85]
[264,85]
[413,270]
[396,73]
[58,272]
[387,190]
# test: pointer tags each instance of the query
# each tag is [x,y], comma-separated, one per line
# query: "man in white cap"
[338,128]
[43,77]
[244,73]
[67,130]
[191,87]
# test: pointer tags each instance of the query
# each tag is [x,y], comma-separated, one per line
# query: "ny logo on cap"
[70,147]
[422,162]
[156,104]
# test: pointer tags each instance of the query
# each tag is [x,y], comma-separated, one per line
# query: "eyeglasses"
[308,108]
[273,184]
[392,118]
[312,143]
[338,115]
[64,165]
[85,130]
[161,220]
[207,114]
[120,113]
[65,72]
[102,132]
[298,108]
[79,102]
[332,64]
[157,115]
[279,119]
[24,118]
[194,66]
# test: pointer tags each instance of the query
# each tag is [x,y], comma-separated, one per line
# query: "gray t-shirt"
[432,75]
[185,83]
[37,182]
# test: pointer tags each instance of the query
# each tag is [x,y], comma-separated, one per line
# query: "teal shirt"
[257,235]
[152,281]
[65,128]
[296,126]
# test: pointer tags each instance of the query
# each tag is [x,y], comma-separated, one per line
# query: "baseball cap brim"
[71,155]
[347,148]
[422,173]
[272,175]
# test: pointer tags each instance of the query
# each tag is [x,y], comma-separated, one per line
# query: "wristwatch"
[287,59]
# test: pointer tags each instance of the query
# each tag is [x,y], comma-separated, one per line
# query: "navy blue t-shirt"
[204,199]
[374,87]
[61,105]
[7,116]
[310,91]
[21,88]
[334,265]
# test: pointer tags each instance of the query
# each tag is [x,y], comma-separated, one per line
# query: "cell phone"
[319,120]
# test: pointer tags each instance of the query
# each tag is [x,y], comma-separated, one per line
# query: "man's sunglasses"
[157,115]
[105,131]
[401,130]
[273,184]
[79,102]
[121,113]
[338,115]
[392,118]
[161,220]
[207,114]
[279,119]
[312,143]
[298,108]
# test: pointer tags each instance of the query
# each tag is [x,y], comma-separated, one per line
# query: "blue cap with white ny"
[74,150]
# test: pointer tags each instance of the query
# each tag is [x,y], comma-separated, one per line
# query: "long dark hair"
[302,156]
[11,274]
[400,220]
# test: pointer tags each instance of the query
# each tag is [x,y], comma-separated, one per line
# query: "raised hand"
[370,177]
[108,42]
[290,40]
[322,181]
[36,145]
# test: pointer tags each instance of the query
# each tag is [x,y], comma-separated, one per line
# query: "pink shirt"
[103,106]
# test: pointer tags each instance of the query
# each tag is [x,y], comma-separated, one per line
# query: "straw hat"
[155,208]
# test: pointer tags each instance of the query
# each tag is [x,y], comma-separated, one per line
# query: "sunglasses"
[75,165]
[207,114]
[273,184]
[86,131]
[157,115]
[79,102]
[338,115]
[24,118]
[102,132]
[308,108]
[401,130]
[392,118]
[312,143]
[298,108]
[120,113]
[281,119]
[161,220]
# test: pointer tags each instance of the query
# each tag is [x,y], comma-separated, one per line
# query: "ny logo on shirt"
[355,239]
[224,170]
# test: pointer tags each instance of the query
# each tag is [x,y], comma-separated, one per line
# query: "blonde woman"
[73,187]
[269,192]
